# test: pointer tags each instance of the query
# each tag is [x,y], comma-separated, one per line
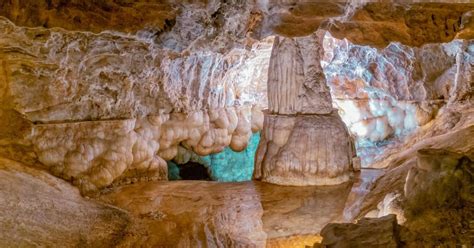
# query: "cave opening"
[193,171]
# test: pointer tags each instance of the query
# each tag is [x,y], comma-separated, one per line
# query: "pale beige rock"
[304,150]
[39,210]
[96,154]
[84,76]
[107,108]
[304,141]
[296,82]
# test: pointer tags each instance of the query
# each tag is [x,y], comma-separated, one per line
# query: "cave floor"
[252,210]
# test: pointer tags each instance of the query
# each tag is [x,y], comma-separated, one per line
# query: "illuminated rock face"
[199,68]
[296,83]
[225,166]
[304,141]
[385,95]
[304,150]
[110,108]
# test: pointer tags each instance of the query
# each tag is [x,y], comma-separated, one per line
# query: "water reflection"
[194,213]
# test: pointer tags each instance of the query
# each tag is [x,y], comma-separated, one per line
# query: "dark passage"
[193,171]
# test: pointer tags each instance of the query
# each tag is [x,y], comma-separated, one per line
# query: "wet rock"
[191,214]
[367,232]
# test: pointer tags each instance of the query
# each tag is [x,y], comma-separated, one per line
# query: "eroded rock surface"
[383,232]
[385,95]
[107,108]
[425,183]
[304,150]
[304,141]
[364,22]
[38,209]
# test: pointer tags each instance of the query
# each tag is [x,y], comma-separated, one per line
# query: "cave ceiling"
[412,23]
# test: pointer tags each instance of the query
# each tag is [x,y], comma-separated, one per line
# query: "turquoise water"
[226,166]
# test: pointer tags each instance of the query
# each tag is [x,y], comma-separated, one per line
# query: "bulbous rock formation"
[384,95]
[304,141]
[108,108]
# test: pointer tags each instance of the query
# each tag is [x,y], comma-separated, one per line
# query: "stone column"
[304,141]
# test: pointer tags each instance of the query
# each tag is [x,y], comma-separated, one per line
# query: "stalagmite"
[304,141]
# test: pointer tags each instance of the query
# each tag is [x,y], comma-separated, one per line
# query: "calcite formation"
[304,150]
[296,83]
[304,141]
[96,154]
[385,95]
[111,108]
[104,94]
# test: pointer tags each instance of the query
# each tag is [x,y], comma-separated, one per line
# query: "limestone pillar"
[304,141]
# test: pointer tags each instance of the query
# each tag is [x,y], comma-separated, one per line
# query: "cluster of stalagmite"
[304,141]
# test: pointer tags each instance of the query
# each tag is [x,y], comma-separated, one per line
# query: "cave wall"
[386,94]
[110,107]
[107,96]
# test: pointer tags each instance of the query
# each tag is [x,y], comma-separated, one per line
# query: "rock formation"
[304,141]
[38,209]
[377,233]
[110,108]
[386,95]
[97,98]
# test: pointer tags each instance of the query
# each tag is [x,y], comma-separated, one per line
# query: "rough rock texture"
[193,61]
[435,204]
[366,232]
[304,141]
[296,83]
[374,23]
[426,183]
[103,92]
[365,22]
[225,166]
[385,95]
[304,150]
[412,23]
[439,204]
[452,131]
[39,210]
[107,107]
